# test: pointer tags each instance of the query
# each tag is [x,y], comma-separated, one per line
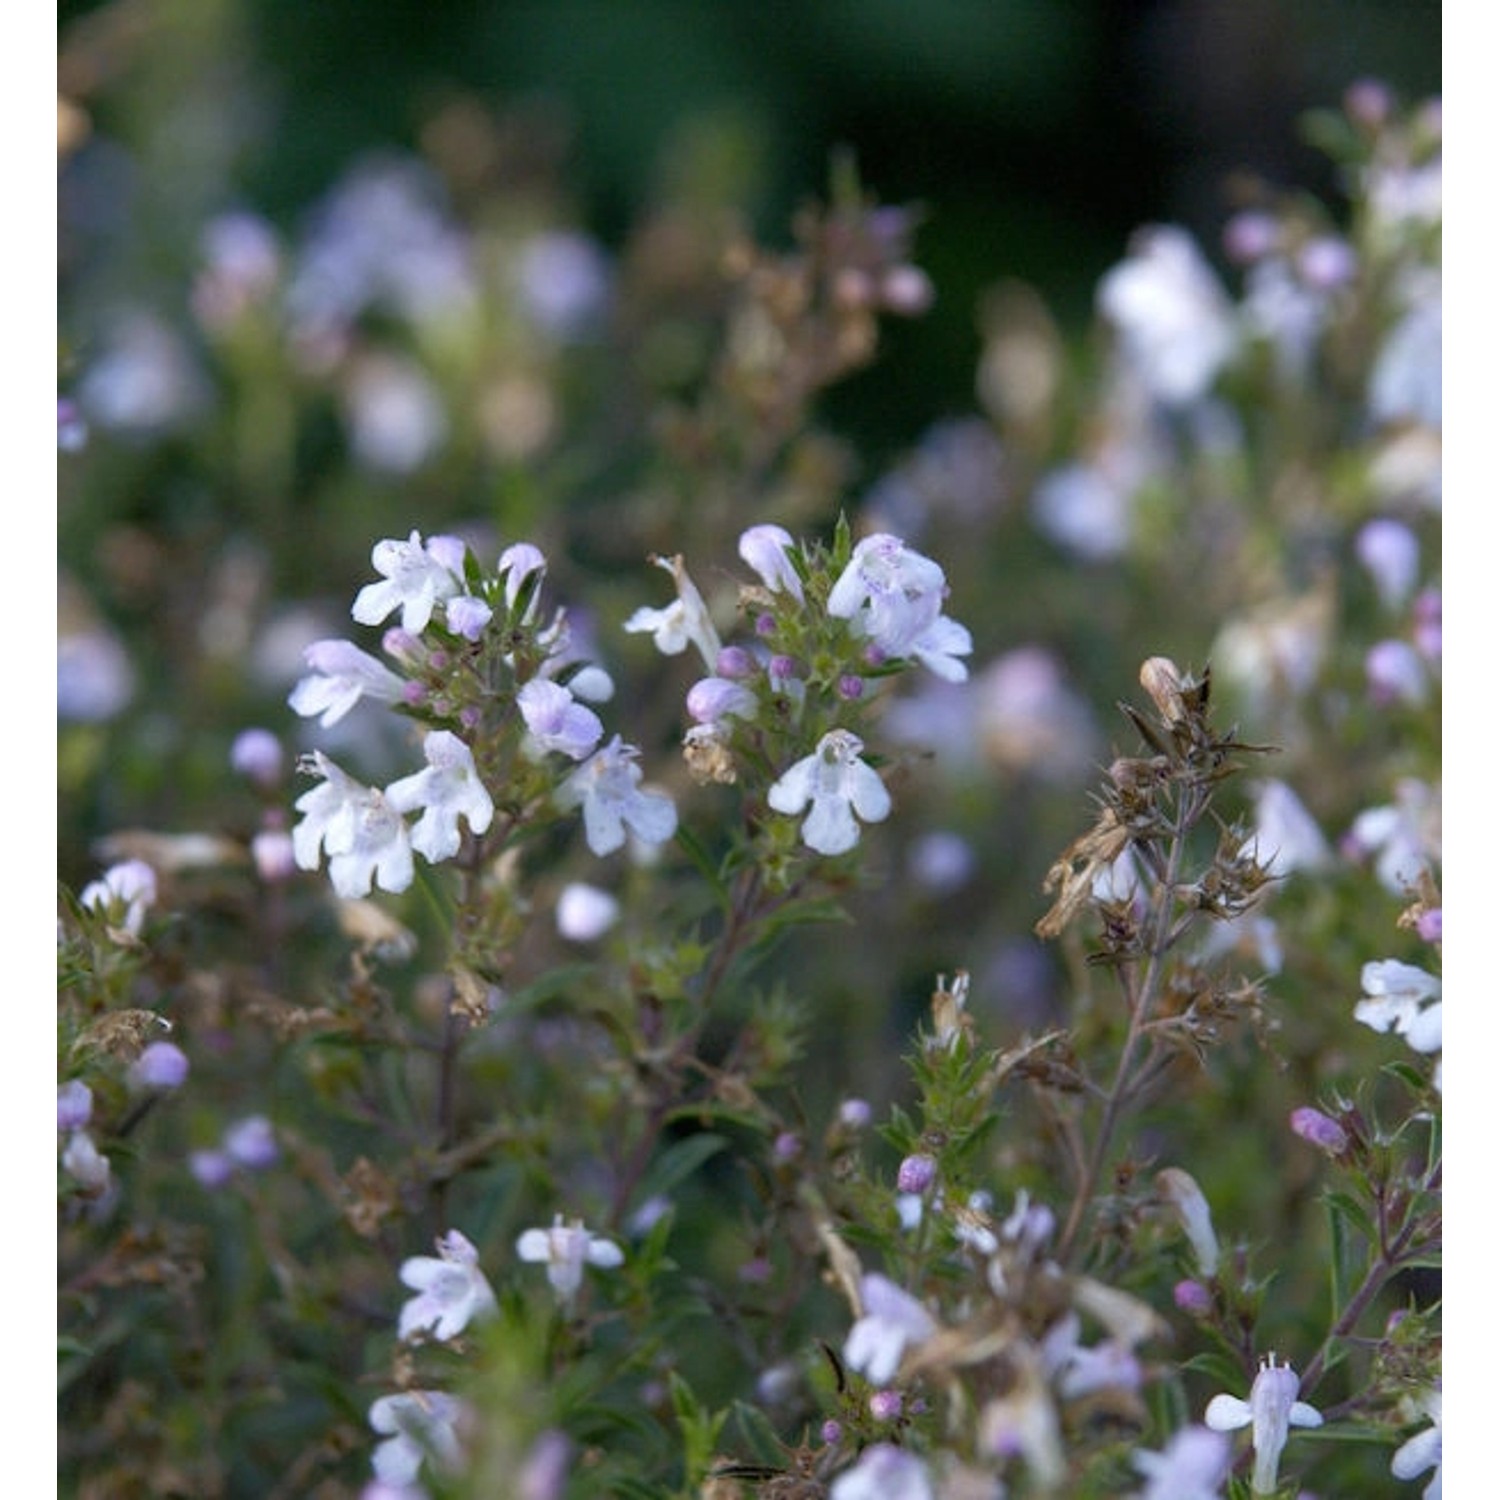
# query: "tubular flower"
[565,1249]
[414,579]
[607,786]
[1272,1409]
[342,674]
[452,1290]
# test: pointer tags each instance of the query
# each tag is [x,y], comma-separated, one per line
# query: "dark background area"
[1036,134]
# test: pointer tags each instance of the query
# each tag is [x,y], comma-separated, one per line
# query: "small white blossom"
[893,595]
[1273,1407]
[414,579]
[584,912]
[884,1472]
[1404,837]
[342,675]
[1193,1466]
[1287,836]
[892,1319]
[556,722]
[1405,999]
[517,563]
[565,1249]
[362,834]
[607,786]
[1185,1196]
[1424,1451]
[127,889]
[85,1163]
[420,1426]
[686,620]
[839,785]
[452,1290]
[1172,317]
[449,789]
[767,549]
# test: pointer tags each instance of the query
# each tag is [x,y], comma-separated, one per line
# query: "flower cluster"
[475,664]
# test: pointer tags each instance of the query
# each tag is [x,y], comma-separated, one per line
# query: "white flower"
[449,789]
[362,834]
[1402,998]
[1193,1466]
[884,1472]
[838,784]
[342,675]
[892,1319]
[607,786]
[1180,1190]
[421,1425]
[1170,314]
[1404,836]
[584,912]
[565,1249]
[556,722]
[1287,836]
[940,645]
[414,579]
[452,1290]
[1273,1407]
[85,1163]
[685,620]
[893,595]
[1424,1451]
[766,549]
[126,890]
[517,563]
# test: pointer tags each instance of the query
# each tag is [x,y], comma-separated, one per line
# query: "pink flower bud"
[1320,1130]
[915,1174]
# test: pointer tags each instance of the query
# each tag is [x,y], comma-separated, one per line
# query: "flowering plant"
[539,1084]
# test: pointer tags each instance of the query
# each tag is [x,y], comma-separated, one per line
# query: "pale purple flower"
[565,279]
[251,1143]
[1272,1409]
[1287,837]
[891,1320]
[883,1472]
[363,835]
[273,854]
[124,893]
[1405,999]
[95,679]
[394,415]
[212,1168]
[256,754]
[915,1174]
[940,646]
[1425,1450]
[607,786]
[766,549]
[1193,1466]
[543,1474]
[342,675]
[1172,318]
[1403,836]
[839,785]
[1392,556]
[1085,508]
[1395,673]
[584,912]
[565,1249]
[1193,1297]
[711,699]
[414,579]
[161,1065]
[556,722]
[1319,1130]
[685,621]
[75,1104]
[467,616]
[451,1290]
[885,1406]
[419,1426]
[447,791]
[1080,1370]
[893,595]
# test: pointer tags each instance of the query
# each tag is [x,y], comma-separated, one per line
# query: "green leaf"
[700,1430]
[679,1161]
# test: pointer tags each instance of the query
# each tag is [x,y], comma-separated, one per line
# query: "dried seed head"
[1164,684]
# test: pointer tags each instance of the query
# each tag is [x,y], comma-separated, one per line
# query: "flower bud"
[251,1143]
[916,1174]
[885,1406]
[1163,684]
[256,754]
[1320,1130]
[162,1065]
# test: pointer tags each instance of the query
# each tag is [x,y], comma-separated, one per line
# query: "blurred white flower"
[1272,1409]
[607,787]
[451,1290]
[447,790]
[565,1249]
[892,1319]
